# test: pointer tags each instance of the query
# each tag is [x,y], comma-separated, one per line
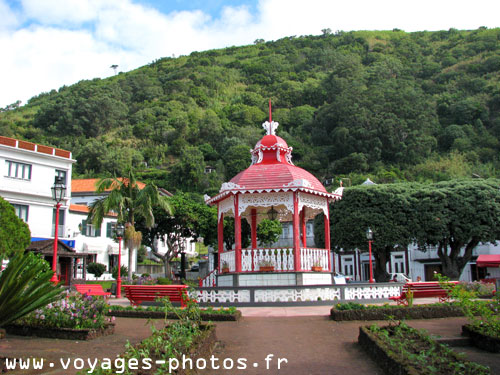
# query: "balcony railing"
[282,259]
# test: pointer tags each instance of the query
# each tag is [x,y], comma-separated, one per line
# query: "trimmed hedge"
[388,353]
[147,314]
[60,333]
[481,340]
[381,313]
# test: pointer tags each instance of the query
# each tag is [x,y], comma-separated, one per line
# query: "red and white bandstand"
[272,183]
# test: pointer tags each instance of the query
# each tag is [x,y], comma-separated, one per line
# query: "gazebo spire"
[270,126]
[270,112]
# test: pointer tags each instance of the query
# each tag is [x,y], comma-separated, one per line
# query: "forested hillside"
[391,105]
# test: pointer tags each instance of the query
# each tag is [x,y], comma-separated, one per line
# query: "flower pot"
[266,268]
[225,270]
[317,268]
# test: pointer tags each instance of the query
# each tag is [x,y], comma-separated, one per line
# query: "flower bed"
[60,332]
[482,337]
[74,317]
[399,349]
[363,312]
[182,338]
[155,312]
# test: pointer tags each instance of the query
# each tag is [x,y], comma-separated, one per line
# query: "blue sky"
[50,43]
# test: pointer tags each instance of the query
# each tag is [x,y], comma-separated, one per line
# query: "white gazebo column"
[296,232]
[237,234]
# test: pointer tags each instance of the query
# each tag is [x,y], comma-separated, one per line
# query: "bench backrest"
[151,292]
[427,287]
[84,288]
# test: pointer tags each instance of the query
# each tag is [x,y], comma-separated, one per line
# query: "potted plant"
[266,266]
[316,267]
[225,267]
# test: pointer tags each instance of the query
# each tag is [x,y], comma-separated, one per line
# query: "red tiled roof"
[79,208]
[6,141]
[274,176]
[85,209]
[88,185]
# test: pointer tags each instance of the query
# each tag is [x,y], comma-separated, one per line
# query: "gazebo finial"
[270,126]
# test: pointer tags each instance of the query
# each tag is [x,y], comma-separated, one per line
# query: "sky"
[46,44]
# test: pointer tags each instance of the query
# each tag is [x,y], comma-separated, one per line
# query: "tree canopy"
[421,106]
[453,216]
[15,235]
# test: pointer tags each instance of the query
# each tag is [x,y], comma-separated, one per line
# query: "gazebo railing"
[281,259]
[229,258]
[311,257]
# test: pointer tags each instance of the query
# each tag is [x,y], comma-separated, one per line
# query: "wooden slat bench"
[423,290]
[92,290]
[149,293]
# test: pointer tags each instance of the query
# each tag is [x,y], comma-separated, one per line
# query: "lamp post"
[58,193]
[369,237]
[120,229]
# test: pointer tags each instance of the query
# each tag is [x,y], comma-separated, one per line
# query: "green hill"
[391,105]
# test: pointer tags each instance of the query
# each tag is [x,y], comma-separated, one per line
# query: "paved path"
[304,336]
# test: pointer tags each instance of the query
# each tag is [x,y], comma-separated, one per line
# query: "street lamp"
[369,237]
[272,214]
[120,230]
[58,193]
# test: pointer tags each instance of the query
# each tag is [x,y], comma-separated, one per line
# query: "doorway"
[430,269]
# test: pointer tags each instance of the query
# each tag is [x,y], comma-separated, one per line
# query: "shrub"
[96,268]
[123,272]
[350,306]
[164,281]
[148,280]
[25,286]
[75,311]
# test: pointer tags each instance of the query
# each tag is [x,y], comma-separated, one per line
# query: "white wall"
[35,193]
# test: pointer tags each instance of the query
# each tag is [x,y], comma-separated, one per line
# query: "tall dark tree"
[455,217]
[385,209]
[189,218]
[15,234]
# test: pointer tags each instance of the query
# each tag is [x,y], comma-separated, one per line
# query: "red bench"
[142,293]
[92,290]
[423,290]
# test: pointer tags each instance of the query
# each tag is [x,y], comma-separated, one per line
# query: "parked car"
[399,278]
[339,279]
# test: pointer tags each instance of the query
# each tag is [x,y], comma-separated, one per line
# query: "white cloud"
[70,40]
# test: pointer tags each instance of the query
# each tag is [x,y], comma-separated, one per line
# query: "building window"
[90,230]
[110,230]
[18,170]
[61,174]
[21,211]
[60,226]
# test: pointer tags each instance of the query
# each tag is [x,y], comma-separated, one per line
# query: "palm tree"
[127,198]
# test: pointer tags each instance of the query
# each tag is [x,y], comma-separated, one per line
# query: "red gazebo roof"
[272,170]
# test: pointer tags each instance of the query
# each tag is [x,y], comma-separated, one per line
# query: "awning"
[92,249]
[488,260]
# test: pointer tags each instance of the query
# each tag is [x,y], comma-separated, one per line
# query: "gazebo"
[272,186]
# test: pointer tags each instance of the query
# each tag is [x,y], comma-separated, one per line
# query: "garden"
[399,348]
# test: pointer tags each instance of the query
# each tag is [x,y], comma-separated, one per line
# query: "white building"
[415,263]
[28,173]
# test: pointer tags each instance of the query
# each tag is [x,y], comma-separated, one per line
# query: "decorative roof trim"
[225,193]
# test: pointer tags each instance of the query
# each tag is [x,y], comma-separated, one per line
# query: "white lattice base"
[297,295]
[371,292]
[223,296]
